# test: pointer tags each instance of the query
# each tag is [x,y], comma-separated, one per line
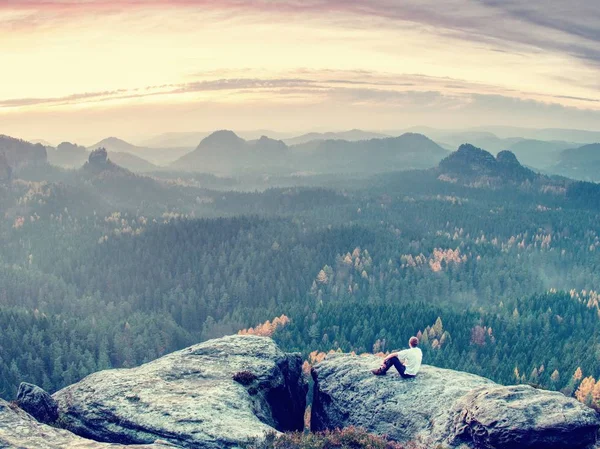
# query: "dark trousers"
[398,365]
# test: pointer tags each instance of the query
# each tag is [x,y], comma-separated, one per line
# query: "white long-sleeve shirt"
[411,358]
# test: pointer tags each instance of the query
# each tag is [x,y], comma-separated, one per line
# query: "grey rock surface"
[37,402]
[19,430]
[446,408]
[520,416]
[189,397]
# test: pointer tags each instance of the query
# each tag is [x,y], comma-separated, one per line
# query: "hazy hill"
[570,135]
[225,152]
[5,169]
[454,138]
[351,135]
[407,151]
[189,140]
[159,156]
[539,153]
[132,162]
[580,163]
[536,148]
[20,152]
[511,132]
[68,155]
[175,139]
[123,189]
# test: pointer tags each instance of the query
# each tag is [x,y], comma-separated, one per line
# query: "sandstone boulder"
[190,397]
[447,408]
[521,416]
[39,404]
[20,430]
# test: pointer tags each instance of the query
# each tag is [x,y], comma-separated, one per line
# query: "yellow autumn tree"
[268,328]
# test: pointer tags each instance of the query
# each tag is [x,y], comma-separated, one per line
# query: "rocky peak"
[99,163]
[266,145]
[98,157]
[447,408]
[471,164]
[223,139]
[469,160]
[507,158]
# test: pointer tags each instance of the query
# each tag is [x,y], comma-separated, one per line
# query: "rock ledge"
[189,398]
[445,407]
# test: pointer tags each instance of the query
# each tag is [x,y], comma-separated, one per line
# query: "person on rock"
[407,362]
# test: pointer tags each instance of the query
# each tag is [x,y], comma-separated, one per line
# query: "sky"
[83,70]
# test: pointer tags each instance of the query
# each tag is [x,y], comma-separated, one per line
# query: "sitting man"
[407,362]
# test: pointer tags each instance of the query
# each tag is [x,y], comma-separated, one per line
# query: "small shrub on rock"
[244,377]
[349,438]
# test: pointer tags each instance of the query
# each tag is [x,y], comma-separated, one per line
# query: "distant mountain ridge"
[156,156]
[408,151]
[580,163]
[68,155]
[351,135]
[583,154]
[226,152]
[174,140]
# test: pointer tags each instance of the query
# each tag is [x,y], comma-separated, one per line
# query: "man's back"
[411,358]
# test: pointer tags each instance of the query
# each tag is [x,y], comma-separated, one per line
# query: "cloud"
[352,86]
[68,99]
[571,28]
[237,84]
[337,85]
[569,97]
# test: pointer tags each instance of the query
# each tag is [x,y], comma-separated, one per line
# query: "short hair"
[413,342]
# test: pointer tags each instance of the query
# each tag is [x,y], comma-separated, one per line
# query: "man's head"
[413,342]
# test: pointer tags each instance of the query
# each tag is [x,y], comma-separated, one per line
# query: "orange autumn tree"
[589,392]
[268,328]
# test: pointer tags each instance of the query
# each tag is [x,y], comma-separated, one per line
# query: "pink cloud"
[549,26]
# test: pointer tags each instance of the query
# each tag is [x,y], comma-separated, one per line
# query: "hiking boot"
[379,371]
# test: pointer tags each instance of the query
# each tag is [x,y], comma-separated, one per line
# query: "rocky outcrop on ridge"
[20,430]
[190,398]
[19,152]
[473,166]
[445,407]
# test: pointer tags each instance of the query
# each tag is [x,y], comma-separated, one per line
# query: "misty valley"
[495,266]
